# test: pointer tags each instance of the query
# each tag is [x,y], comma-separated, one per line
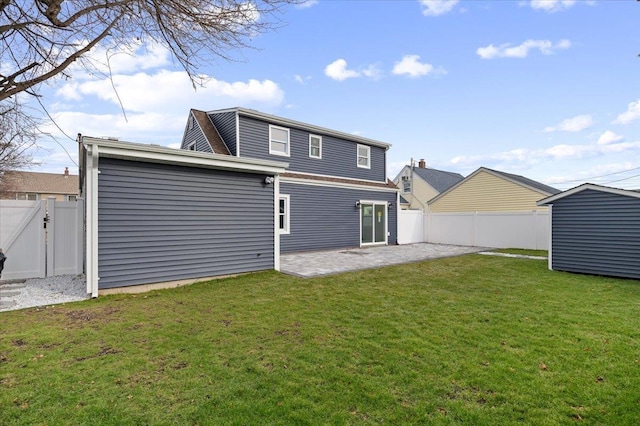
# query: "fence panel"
[526,230]
[22,239]
[410,226]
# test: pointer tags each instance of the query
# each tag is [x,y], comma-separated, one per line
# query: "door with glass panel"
[373,223]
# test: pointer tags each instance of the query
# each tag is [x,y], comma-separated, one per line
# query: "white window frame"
[319,138]
[287,142]
[368,157]
[24,196]
[72,198]
[192,146]
[287,217]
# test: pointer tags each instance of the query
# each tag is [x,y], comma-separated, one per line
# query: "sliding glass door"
[373,223]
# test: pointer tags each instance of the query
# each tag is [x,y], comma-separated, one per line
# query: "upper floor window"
[192,146]
[406,186]
[72,198]
[364,156]
[278,141]
[315,146]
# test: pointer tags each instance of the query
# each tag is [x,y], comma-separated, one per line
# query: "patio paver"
[314,264]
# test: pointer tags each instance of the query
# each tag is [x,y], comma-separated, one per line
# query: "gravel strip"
[519,256]
[46,291]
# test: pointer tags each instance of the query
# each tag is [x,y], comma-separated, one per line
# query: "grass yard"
[479,340]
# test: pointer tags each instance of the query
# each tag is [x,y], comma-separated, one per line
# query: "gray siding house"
[595,230]
[334,192]
[158,215]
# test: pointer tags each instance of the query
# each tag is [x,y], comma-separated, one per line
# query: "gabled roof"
[298,124]
[210,132]
[545,190]
[588,186]
[439,180]
[41,183]
[525,181]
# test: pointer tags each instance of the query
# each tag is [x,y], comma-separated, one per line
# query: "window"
[406,186]
[364,156]
[28,197]
[315,146]
[72,198]
[283,214]
[278,141]
[192,146]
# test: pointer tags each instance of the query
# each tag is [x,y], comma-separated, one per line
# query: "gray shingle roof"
[529,182]
[42,183]
[438,179]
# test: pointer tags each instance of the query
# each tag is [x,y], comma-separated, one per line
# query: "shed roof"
[41,183]
[439,180]
[588,186]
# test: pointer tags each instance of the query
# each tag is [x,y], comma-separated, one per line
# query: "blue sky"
[546,88]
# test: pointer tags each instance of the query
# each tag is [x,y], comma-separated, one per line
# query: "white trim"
[335,184]
[368,166]
[237,134]
[386,222]
[297,124]
[161,154]
[311,136]
[276,222]
[336,177]
[550,253]
[288,143]
[584,187]
[92,219]
[287,213]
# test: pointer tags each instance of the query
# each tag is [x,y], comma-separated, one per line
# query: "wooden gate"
[40,240]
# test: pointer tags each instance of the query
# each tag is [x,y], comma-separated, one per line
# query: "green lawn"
[473,340]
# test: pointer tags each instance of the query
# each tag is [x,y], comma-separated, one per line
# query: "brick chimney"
[422,164]
[66,172]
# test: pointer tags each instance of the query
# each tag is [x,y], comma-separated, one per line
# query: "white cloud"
[306,4]
[411,66]
[609,137]
[575,124]
[546,47]
[338,70]
[528,157]
[171,91]
[300,79]
[437,7]
[632,113]
[551,6]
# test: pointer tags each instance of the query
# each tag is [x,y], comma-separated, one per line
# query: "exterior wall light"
[269,180]
[357,204]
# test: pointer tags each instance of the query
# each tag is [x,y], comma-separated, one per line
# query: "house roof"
[588,186]
[210,132]
[520,180]
[336,180]
[298,124]
[40,183]
[525,181]
[439,180]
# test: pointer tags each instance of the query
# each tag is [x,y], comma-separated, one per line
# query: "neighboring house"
[420,184]
[19,185]
[487,190]
[490,208]
[334,192]
[595,230]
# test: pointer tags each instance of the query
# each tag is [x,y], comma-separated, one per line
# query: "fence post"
[50,236]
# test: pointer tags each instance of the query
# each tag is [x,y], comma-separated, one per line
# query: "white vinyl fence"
[34,251]
[410,226]
[527,230]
